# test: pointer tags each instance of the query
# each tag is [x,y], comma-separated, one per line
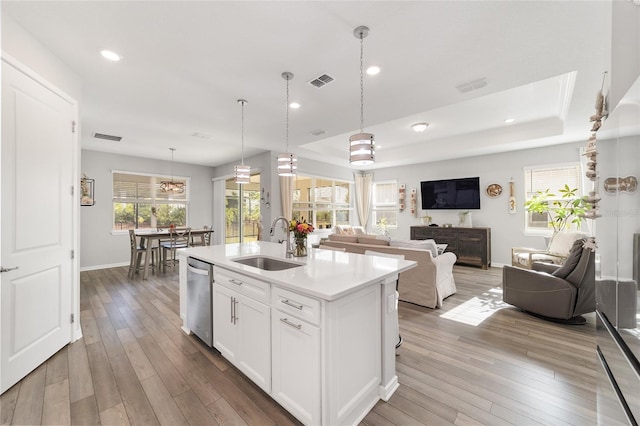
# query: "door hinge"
[73,254]
[73,126]
[73,190]
[73,318]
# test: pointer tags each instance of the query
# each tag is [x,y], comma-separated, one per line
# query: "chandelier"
[172,186]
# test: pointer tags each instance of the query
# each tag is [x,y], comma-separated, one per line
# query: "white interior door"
[36,227]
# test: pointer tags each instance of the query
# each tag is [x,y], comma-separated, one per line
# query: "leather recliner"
[555,292]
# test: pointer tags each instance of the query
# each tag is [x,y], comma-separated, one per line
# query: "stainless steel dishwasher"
[199,302]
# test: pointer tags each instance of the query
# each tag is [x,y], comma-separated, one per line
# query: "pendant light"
[362,145]
[287,161]
[172,186]
[241,171]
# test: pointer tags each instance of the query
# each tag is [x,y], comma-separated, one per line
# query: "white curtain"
[219,214]
[286,196]
[364,184]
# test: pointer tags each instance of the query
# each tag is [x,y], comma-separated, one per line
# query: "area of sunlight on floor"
[477,309]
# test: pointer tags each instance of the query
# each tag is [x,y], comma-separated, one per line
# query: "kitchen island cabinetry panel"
[242,331]
[296,366]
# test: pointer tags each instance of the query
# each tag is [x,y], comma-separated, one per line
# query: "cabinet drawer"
[296,305]
[256,289]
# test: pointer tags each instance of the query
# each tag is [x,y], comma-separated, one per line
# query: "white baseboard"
[96,267]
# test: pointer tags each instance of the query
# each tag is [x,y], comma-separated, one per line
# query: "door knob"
[7,269]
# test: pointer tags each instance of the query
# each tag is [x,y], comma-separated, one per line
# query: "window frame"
[391,206]
[154,180]
[332,206]
[529,190]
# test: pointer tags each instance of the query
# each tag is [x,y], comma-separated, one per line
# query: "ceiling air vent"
[107,137]
[323,80]
[472,85]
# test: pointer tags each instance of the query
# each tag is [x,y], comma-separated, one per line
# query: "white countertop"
[325,274]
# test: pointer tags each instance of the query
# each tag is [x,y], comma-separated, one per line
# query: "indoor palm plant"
[564,211]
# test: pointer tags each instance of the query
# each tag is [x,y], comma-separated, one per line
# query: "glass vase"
[300,246]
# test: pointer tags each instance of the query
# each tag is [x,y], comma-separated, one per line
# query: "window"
[385,204]
[242,208]
[322,202]
[135,196]
[552,178]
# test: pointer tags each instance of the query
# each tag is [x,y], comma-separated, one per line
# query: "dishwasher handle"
[197,270]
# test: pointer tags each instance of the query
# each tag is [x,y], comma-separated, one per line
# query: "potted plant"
[564,212]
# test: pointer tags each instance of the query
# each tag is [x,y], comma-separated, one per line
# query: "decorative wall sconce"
[87,187]
[414,201]
[266,201]
[621,184]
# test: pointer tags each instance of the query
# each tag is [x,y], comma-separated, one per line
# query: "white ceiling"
[186,63]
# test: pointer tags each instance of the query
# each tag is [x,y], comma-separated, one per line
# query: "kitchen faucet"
[286,221]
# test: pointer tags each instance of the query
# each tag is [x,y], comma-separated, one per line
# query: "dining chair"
[137,250]
[178,238]
[203,239]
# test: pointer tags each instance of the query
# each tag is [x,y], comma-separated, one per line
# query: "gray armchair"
[555,292]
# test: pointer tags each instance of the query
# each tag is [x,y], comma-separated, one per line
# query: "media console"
[472,246]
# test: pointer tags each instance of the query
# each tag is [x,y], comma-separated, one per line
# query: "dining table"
[149,236]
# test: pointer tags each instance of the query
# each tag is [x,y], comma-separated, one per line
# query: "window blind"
[140,188]
[552,178]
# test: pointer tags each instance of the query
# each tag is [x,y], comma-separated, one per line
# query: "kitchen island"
[318,333]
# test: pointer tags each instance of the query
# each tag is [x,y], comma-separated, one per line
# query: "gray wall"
[99,246]
[507,230]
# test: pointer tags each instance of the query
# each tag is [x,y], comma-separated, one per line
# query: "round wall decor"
[494,190]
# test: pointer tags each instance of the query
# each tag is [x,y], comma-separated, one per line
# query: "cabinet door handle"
[293,305]
[235,310]
[232,308]
[236,282]
[289,323]
[8,269]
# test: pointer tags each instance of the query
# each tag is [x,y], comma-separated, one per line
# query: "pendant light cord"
[287,117]
[361,82]
[172,149]
[242,131]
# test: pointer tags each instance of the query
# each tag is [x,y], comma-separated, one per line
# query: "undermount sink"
[267,263]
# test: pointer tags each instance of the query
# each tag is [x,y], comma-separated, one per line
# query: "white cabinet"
[296,356]
[242,326]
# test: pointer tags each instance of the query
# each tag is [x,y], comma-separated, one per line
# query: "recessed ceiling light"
[509,120]
[373,70]
[419,127]
[112,56]
[294,105]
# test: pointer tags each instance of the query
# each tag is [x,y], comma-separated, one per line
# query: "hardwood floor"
[476,361]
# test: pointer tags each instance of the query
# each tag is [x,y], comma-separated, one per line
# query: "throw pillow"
[357,230]
[572,260]
[372,241]
[562,241]
[343,238]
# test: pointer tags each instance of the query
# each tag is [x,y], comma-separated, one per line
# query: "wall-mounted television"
[451,194]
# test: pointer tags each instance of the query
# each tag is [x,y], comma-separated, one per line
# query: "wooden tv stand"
[472,246]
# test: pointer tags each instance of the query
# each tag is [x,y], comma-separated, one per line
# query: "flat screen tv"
[451,194]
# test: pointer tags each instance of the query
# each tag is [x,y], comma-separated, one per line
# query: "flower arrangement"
[300,228]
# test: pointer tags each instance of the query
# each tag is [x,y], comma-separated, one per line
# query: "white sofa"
[428,284]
